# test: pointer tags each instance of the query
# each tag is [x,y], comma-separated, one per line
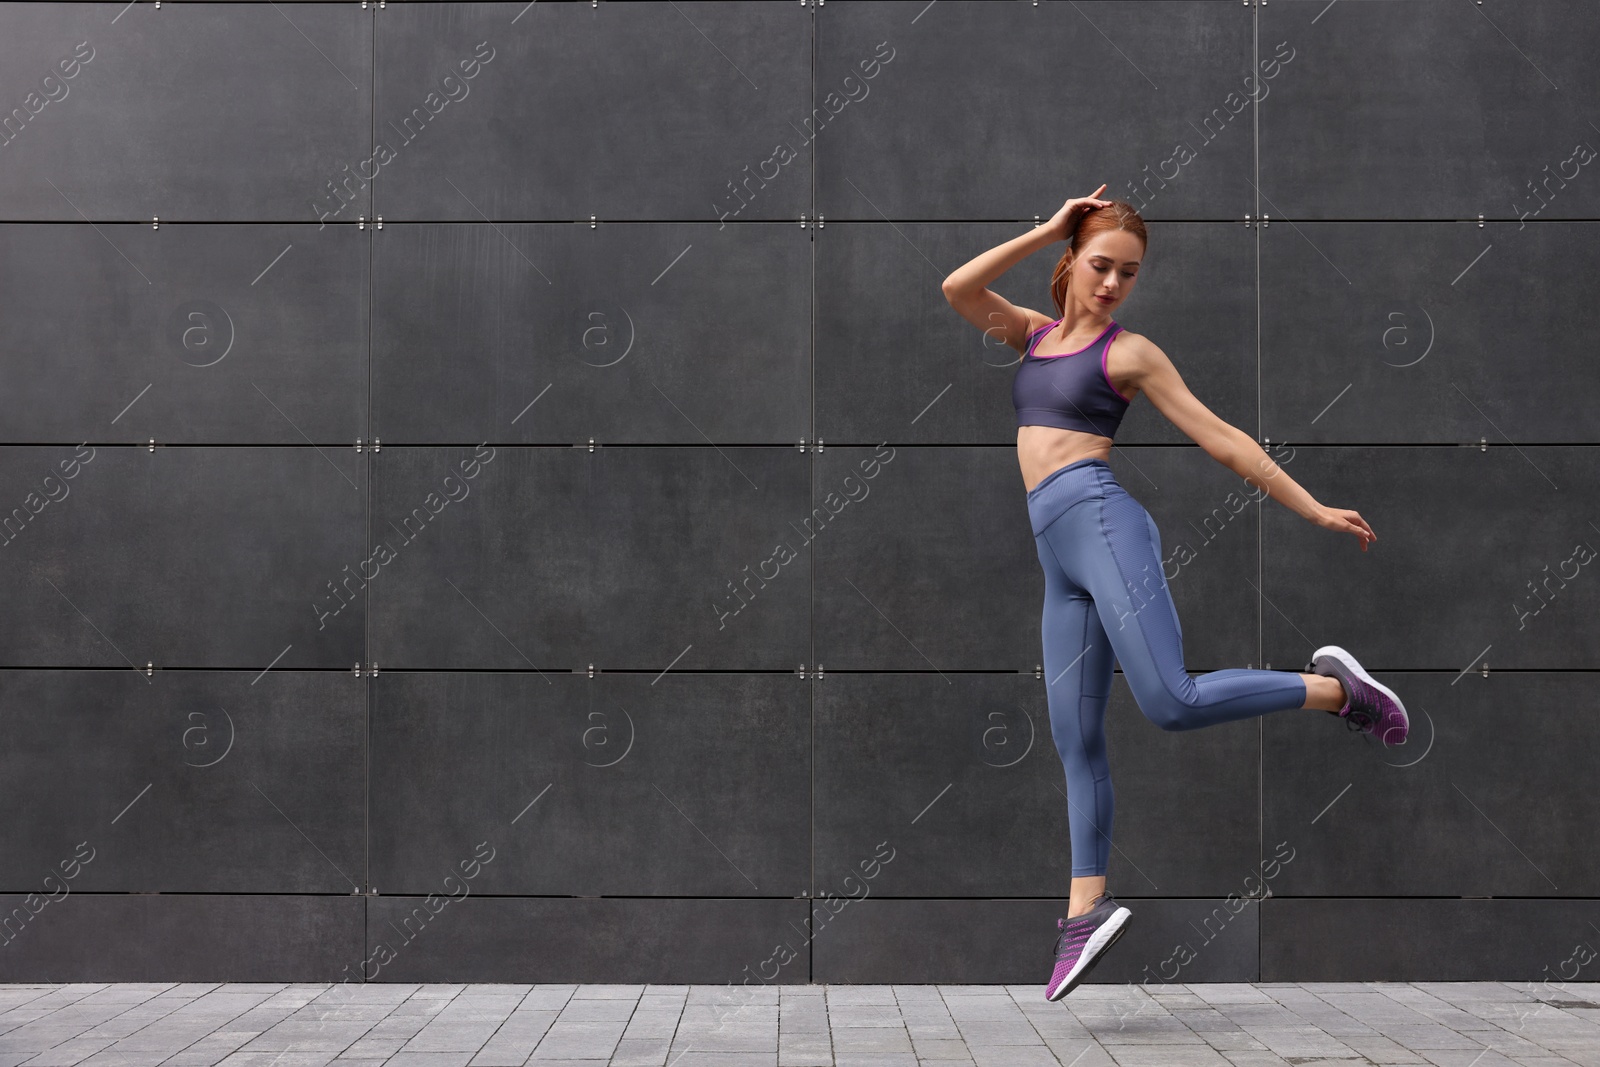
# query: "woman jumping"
[1105,594]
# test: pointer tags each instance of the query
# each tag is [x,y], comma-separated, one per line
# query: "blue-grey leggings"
[1105,596]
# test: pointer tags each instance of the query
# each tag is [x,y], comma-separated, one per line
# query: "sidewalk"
[1451,1024]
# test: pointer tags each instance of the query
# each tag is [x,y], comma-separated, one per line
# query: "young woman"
[1105,594]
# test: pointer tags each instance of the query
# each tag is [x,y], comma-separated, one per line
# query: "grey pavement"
[1309,1024]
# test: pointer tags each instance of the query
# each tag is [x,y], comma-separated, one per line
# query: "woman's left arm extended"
[1153,373]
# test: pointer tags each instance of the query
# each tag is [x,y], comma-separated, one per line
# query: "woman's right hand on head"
[1066,220]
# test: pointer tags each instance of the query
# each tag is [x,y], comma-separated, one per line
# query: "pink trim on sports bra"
[1033,338]
[1085,348]
[1104,352]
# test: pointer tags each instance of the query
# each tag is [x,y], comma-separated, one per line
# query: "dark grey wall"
[691,589]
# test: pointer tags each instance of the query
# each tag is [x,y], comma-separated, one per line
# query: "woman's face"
[1103,273]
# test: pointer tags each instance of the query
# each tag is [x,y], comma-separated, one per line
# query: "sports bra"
[1071,391]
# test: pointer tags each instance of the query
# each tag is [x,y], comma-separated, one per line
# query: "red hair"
[1117,215]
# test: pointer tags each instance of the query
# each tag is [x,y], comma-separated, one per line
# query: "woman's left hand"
[1346,521]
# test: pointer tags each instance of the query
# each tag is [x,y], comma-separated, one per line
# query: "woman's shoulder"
[1135,346]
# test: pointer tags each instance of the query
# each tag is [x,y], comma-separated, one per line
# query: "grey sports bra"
[1071,391]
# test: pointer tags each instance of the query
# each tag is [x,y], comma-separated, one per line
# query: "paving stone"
[1301,1042]
[278,1059]
[600,991]
[429,1059]
[1231,1041]
[903,1059]
[1169,1056]
[69,1053]
[1468,1058]
[446,1037]
[861,1040]
[1013,1056]
[302,1036]
[865,994]
[641,1052]
[710,1059]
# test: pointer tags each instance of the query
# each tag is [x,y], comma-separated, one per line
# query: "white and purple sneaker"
[1369,707]
[1083,940]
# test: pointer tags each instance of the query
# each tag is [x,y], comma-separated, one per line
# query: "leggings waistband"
[1065,486]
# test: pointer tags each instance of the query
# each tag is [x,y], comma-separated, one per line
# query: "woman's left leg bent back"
[1113,551]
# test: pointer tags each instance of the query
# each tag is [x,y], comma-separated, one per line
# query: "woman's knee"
[1078,758]
[1168,710]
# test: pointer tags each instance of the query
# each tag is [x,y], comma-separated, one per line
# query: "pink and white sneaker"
[1083,940]
[1369,707]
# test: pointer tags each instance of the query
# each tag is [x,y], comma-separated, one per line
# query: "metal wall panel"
[982,111]
[216,334]
[203,112]
[1478,110]
[1482,558]
[1491,796]
[965,765]
[620,785]
[672,940]
[186,937]
[1429,333]
[1420,940]
[565,111]
[562,557]
[183,781]
[182,556]
[664,334]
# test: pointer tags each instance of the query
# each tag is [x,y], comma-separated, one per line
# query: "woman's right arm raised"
[967,289]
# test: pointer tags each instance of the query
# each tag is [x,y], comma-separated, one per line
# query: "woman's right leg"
[1077,661]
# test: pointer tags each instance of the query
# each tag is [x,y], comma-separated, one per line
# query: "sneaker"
[1370,707]
[1083,940]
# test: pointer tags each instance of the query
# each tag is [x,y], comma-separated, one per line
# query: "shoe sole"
[1099,944]
[1349,663]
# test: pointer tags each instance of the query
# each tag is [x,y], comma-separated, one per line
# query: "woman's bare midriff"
[1043,449]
